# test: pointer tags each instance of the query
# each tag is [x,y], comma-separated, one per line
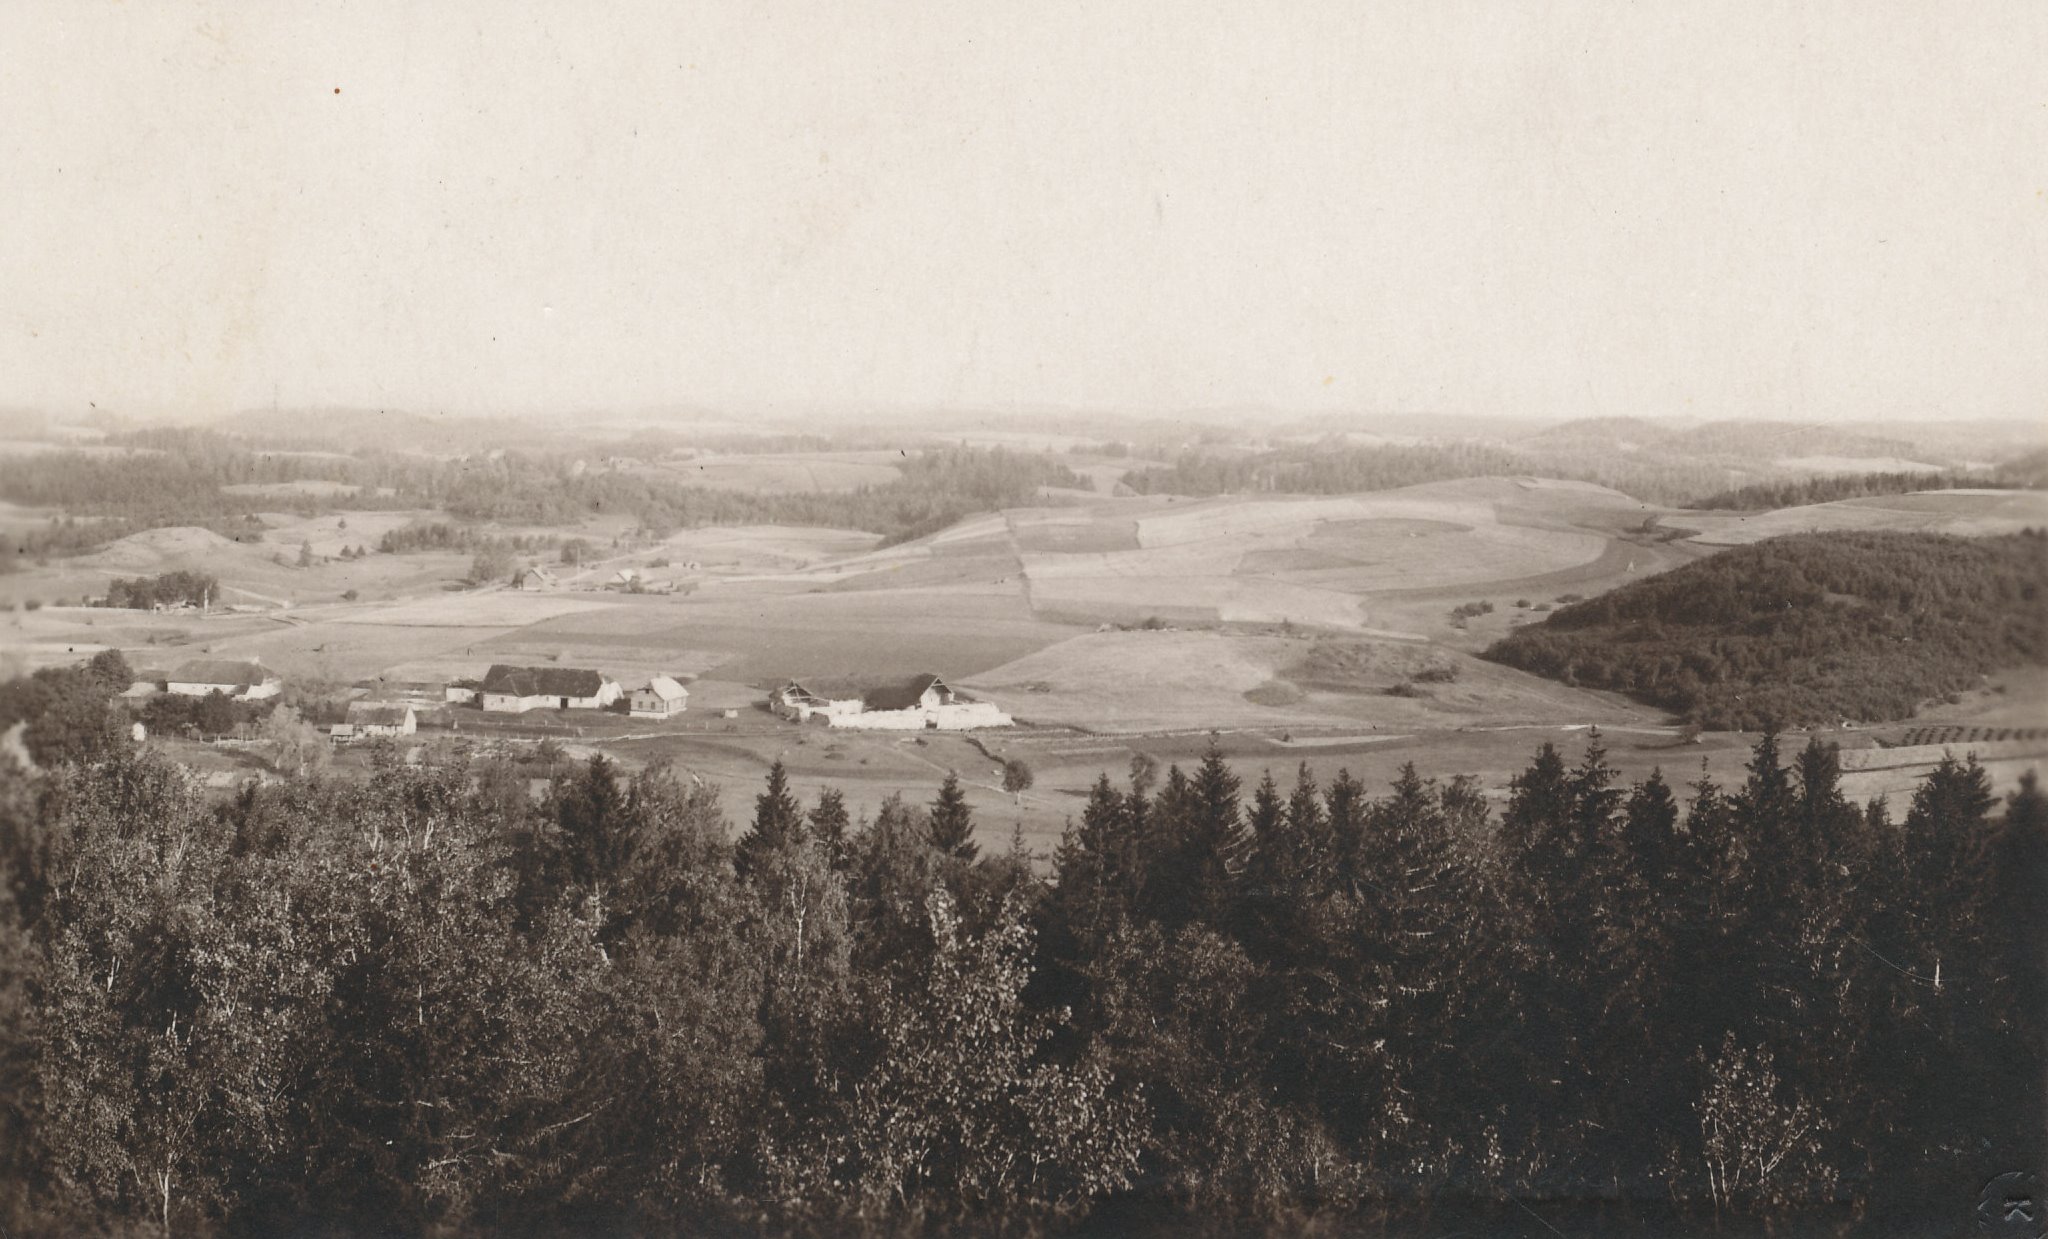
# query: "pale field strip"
[1231,599]
[1898,783]
[498,608]
[1928,754]
[1142,681]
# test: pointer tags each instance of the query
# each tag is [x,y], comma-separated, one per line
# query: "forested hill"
[1812,628]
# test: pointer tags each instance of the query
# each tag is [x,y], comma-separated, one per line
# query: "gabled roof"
[901,695]
[378,713]
[542,681]
[537,570]
[665,688]
[221,671]
[898,695]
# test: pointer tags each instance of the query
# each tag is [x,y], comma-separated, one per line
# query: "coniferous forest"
[430,1002]
[1806,628]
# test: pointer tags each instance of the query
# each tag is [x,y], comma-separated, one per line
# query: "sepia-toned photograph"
[785,619]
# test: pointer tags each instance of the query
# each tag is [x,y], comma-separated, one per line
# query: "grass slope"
[1810,628]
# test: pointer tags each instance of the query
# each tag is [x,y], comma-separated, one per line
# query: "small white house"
[536,578]
[662,697]
[515,690]
[246,681]
[378,718]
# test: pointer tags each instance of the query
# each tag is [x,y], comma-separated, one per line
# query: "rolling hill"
[1807,628]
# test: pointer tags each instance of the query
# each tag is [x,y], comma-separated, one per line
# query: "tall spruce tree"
[829,824]
[951,821]
[778,824]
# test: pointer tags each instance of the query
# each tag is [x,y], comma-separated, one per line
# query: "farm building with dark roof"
[923,702]
[250,681]
[513,690]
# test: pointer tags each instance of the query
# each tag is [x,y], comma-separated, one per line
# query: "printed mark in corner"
[2010,1207]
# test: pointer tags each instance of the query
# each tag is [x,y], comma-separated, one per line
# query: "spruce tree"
[951,821]
[778,824]
[829,822]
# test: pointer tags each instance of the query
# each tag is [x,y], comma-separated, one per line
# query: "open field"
[1296,630]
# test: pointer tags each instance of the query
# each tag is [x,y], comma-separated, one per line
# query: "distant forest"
[1338,467]
[180,476]
[2027,473]
[150,478]
[426,1004]
[937,488]
[1719,465]
[1809,628]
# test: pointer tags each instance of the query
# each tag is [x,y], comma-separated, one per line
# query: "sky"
[1814,210]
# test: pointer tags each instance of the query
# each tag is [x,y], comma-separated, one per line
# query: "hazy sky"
[1814,210]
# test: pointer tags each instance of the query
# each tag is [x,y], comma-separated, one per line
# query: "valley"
[1330,631]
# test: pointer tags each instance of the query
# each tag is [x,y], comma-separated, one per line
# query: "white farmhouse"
[515,690]
[923,703]
[379,718]
[246,681]
[661,698]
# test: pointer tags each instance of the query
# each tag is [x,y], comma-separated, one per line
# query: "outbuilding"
[661,697]
[515,690]
[245,681]
[382,718]
[923,702]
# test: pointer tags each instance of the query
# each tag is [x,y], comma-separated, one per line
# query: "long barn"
[922,703]
[515,690]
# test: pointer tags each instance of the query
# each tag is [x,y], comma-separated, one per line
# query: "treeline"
[167,589]
[66,713]
[1829,488]
[937,488]
[60,536]
[70,715]
[1327,468]
[180,476]
[1336,467]
[1808,628]
[427,1004]
[451,536]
